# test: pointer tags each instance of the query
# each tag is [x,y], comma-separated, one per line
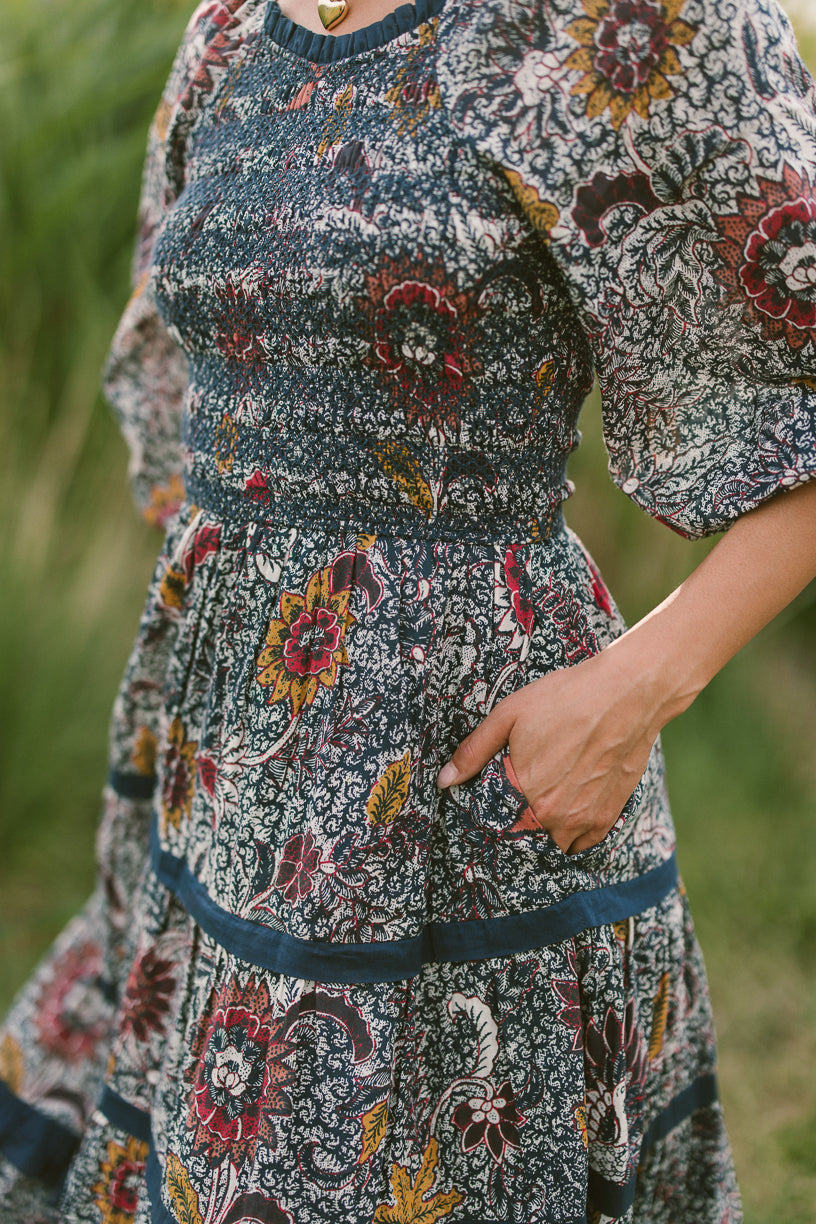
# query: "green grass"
[78,84]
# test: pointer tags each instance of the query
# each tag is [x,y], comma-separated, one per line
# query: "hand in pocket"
[580,740]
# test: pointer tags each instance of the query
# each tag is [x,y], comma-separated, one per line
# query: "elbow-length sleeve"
[145,373]
[666,152]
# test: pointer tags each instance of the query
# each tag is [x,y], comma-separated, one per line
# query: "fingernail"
[447,774]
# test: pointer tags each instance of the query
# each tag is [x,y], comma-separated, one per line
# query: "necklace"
[332,12]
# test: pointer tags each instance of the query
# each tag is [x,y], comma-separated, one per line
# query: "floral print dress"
[376,275]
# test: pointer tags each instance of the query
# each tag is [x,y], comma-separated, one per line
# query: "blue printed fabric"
[376,275]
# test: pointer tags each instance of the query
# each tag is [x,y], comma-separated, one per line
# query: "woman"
[388,925]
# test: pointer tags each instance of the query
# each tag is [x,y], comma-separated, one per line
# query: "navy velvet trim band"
[608,1197]
[34,1143]
[153,1180]
[397,959]
[613,1199]
[388,961]
[121,1114]
[702,1092]
[132,785]
[459,941]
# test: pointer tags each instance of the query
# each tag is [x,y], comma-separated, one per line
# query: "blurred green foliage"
[78,83]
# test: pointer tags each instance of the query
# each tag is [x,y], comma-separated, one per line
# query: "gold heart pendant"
[332,13]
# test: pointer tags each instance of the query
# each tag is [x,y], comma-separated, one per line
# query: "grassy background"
[79,82]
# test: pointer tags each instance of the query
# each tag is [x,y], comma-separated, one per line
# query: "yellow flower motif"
[164,501]
[335,124]
[179,775]
[627,54]
[143,756]
[415,92]
[580,1122]
[305,645]
[414,1202]
[542,213]
[172,587]
[122,1173]
[161,119]
[12,1066]
[226,439]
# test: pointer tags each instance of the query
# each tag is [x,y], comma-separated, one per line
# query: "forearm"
[766,558]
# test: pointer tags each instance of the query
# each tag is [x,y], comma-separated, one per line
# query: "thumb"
[477,748]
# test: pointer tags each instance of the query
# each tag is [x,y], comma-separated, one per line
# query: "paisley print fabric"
[375,277]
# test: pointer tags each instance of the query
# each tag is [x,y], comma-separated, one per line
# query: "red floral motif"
[71,1016]
[570,1014]
[165,500]
[257,488]
[599,589]
[205,542]
[305,645]
[491,1119]
[221,13]
[779,272]
[627,54]
[146,1003]
[423,331]
[522,607]
[413,327]
[415,91]
[768,251]
[594,199]
[116,1194]
[208,773]
[300,860]
[239,1073]
[312,641]
[178,774]
[236,334]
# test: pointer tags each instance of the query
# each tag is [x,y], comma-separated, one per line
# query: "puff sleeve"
[666,152]
[145,374]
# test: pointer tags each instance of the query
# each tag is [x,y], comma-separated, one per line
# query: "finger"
[477,748]
[562,840]
[584,842]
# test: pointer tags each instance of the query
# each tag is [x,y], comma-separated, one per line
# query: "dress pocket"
[492,803]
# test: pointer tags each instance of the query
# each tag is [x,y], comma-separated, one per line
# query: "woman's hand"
[580,738]
[579,742]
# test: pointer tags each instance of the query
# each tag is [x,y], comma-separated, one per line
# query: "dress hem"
[611,1198]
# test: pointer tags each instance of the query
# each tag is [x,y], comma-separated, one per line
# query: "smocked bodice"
[374,334]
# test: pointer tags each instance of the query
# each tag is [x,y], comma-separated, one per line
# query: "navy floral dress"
[376,275]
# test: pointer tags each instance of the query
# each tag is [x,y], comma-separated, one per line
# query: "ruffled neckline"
[328,48]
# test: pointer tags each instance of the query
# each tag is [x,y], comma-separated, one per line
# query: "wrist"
[669,667]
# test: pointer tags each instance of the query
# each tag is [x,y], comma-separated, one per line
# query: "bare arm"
[580,738]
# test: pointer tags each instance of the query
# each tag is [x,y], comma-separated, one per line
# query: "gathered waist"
[356,514]
[392,486]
